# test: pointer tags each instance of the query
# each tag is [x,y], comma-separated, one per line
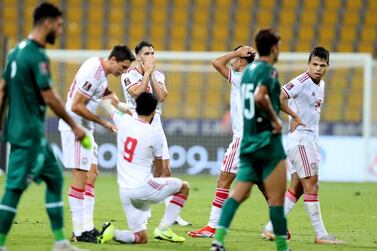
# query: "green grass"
[349,211]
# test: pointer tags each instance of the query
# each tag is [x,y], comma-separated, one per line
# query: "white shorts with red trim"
[136,201]
[304,159]
[231,157]
[75,155]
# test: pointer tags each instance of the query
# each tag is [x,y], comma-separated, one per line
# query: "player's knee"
[185,188]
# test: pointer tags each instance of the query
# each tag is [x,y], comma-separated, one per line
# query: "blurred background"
[196,112]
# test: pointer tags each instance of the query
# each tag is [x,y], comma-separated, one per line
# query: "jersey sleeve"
[292,89]
[41,70]
[234,78]
[157,146]
[130,79]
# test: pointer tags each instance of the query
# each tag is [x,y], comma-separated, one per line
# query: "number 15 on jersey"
[248,100]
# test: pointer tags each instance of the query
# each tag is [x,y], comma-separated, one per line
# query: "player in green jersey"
[262,156]
[26,88]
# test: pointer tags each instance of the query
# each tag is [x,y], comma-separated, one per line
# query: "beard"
[50,38]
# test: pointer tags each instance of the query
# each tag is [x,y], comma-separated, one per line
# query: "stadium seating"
[214,25]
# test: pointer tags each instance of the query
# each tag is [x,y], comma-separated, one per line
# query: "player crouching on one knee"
[139,148]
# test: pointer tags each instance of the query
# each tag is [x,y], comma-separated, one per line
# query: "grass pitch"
[349,211]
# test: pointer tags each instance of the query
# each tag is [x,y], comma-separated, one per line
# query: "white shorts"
[156,123]
[304,159]
[136,201]
[75,155]
[231,157]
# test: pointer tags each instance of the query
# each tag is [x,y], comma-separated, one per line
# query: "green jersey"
[26,74]
[257,129]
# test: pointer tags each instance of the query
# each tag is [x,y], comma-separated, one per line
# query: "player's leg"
[137,215]
[246,174]
[78,159]
[16,183]
[293,193]
[228,172]
[275,185]
[52,175]
[89,197]
[308,173]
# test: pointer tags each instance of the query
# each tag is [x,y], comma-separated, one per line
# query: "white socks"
[126,236]
[89,207]
[314,211]
[172,210]
[76,203]
[217,204]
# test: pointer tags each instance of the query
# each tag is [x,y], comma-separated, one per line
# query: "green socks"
[227,213]
[279,223]
[8,209]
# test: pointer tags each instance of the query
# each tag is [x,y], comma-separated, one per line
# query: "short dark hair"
[320,52]
[141,45]
[122,52]
[264,40]
[45,10]
[249,59]
[146,103]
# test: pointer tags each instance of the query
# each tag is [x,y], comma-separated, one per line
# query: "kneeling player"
[139,144]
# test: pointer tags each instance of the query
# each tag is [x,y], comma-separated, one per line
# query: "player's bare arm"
[285,108]
[52,99]
[220,63]
[157,168]
[3,97]
[79,106]
[159,89]
[262,100]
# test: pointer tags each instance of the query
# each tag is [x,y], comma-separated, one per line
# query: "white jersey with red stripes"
[134,77]
[305,99]
[90,81]
[234,79]
[138,143]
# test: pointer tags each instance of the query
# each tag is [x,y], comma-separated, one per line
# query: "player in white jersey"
[239,58]
[305,95]
[139,144]
[87,90]
[145,78]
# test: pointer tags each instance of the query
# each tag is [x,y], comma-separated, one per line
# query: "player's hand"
[110,127]
[79,132]
[246,51]
[277,126]
[149,65]
[295,123]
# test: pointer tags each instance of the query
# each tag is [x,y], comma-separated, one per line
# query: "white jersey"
[234,79]
[138,143]
[91,81]
[305,99]
[133,77]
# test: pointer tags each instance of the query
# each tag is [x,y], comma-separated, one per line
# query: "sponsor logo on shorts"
[313,165]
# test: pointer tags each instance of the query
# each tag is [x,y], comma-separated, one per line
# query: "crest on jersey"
[43,68]
[290,86]
[87,86]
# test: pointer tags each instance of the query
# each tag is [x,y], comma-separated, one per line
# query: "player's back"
[257,124]
[26,74]
[138,145]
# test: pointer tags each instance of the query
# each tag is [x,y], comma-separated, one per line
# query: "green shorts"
[257,166]
[36,163]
